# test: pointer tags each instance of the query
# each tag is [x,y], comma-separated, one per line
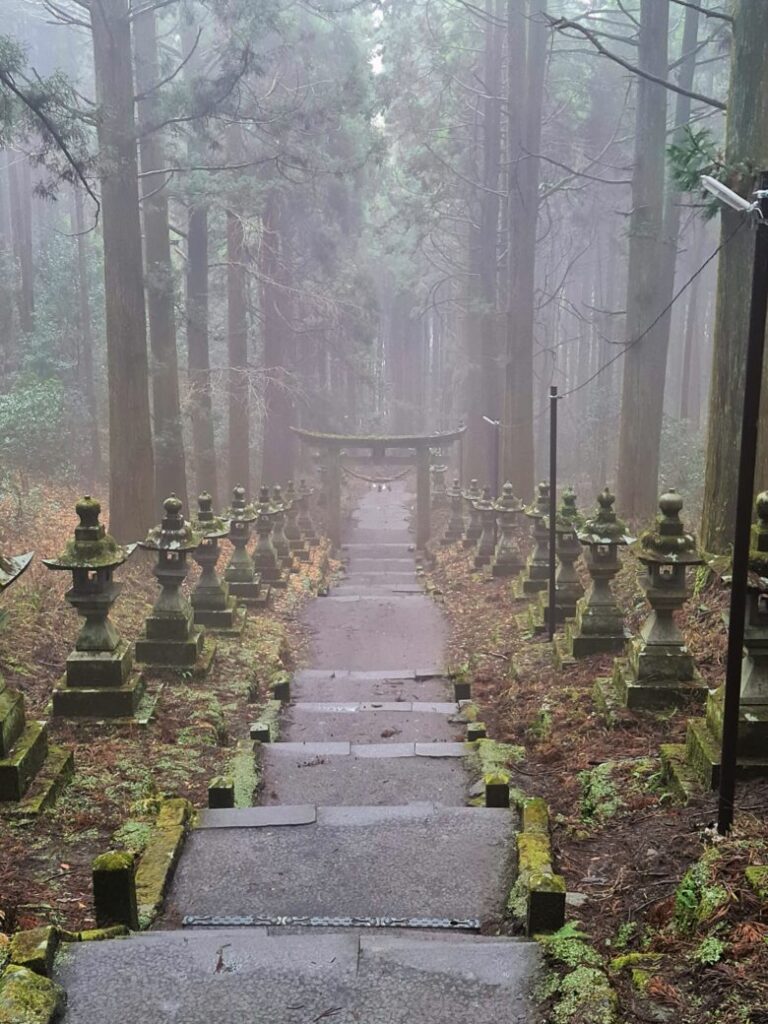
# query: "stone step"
[418,861]
[360,563]
[378,551]
[350,689]
[56,771]
[398,721]
[233,975]
[24,761]
[368,590]
[328,776]
[12,719]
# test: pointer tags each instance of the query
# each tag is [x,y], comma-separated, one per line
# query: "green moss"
[569,947]
[585,996]
[113,860]
[535,816]
[697,897]
[757,880]
[35,949]
[27,998]
[632,960]
[132,835]
[245,769]
[709,952]
[599,797]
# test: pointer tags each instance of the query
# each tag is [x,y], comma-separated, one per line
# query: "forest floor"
[660,897]
[121,770]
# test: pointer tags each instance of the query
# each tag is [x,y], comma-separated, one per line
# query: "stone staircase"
[363,888]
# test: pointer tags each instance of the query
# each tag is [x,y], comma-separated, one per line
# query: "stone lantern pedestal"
[536,576]
[100,681]
[659,671]
[241,577]
[599,623]
[306,525]
[705,736]
[214,607]
[32,771]
[292,528]
[507,560]
[439,490]
[455,529]
[265,557]
[474,528]
[279,539]
[171,639]
[568,587]
[486,545]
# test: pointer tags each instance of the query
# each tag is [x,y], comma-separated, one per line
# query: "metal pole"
[745,493]
[553,400]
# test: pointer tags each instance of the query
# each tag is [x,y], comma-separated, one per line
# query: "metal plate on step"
[471,924]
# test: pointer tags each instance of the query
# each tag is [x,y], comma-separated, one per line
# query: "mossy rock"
[35,949]
[27,998]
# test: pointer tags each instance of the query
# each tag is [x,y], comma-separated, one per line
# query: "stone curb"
[542,890]
[160,856]
[29,998]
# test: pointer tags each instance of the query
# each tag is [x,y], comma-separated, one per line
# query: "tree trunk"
[746,144]
[237,349]
[527,36]
[21,225]
[645,361]
[131,463]
[85,362]
[170,471]
[7,298]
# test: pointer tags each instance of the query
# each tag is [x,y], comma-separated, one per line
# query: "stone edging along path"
[364,888]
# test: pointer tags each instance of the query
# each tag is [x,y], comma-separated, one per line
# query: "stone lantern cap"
[758,548]
[507,502]
[568,518]
[265,506]
[485,502]
[667,542]
[241,510]
[206,522]
[455,491]
[92,548]
[12,566]
[473,492]
[280,501]
[540,508]
[604,527]
[174,533]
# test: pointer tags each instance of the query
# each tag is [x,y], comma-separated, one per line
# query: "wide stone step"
[371,578]
[371,722]
[368,590]
[353,686]
[252,974]
[24,761]
[378,551]
[419,861]
[329,776]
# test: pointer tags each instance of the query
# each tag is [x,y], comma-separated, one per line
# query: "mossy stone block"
[536,816]
[546,903]
[11,719]
[534,854]
[35,949]
[114,889]
[476,731]
[24,761]
[221,792]
[757,880]
[461,690]
[174,812]
[28,998]
[496,789]
[155,870]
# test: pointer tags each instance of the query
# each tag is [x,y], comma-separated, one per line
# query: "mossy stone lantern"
[171,639]
[265,557]
[474,525]
[439,490]
[306,525]
[536,576]
[292,528]
[279,539]
[599,625]
[705,736]
[568,586]
[244,582]
[486,545]
[660,671]
[99,680]
[214,607]
[507,560]
[455,528]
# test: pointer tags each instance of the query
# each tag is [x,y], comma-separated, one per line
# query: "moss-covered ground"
[123,769]
[665,922]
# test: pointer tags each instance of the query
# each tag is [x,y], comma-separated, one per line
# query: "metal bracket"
[254,921]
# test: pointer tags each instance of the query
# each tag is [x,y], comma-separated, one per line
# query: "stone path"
[357,892]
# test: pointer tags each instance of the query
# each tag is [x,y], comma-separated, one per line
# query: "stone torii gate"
[333,445]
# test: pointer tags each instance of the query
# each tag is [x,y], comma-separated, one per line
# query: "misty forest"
[384,497]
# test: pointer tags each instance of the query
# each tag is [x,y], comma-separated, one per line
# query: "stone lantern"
[474,526]
[660,671]
[265,557]
[439,492]
[292,528]
[536,577]
[599,625]
[213,606]
[171,639]
[244,582]
[506,559]
[279,540]
[99,681]
[705,736]
[305,514]
[568,588]
[486,545]
[455,529]
[32,771]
